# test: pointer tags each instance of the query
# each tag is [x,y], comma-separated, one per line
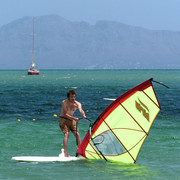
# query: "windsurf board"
[60,158]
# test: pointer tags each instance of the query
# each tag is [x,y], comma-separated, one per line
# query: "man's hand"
[76,119]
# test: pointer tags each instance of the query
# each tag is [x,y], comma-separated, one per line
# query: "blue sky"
[151,14]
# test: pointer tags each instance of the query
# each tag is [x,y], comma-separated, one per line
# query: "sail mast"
[33,46]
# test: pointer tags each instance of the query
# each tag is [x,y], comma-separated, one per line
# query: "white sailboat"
[32,70]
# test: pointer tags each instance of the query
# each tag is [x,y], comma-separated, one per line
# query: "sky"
[150,14]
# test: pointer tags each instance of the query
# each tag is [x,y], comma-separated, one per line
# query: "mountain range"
[63,44]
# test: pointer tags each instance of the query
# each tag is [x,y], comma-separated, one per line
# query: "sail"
[121,129]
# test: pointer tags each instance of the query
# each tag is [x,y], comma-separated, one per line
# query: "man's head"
[71,95]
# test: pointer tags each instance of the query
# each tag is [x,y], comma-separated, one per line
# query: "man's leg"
[77,136]
[65,141]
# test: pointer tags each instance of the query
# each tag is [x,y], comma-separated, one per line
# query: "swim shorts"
[67,125]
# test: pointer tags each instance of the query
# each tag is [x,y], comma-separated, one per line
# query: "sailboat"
[32,70]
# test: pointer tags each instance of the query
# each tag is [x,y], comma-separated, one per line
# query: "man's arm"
[81,110]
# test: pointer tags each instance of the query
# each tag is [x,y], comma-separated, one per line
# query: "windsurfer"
[67,121]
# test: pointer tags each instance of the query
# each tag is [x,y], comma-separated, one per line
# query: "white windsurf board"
[45,158]
[60,158]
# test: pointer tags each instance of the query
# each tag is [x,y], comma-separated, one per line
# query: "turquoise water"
[39,97]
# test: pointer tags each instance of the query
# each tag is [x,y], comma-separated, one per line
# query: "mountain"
[62,44]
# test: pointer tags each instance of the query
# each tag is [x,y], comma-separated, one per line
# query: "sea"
[29,110]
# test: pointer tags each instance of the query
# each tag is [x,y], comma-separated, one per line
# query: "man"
[67,122]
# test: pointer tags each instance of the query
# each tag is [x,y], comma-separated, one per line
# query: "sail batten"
[133,119]
[121,129]
[157,104]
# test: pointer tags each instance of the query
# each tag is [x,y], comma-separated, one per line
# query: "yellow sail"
[121,129]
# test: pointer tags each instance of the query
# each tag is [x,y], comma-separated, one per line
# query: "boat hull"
[33,72]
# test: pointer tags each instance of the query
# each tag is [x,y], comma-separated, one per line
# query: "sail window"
[108,144]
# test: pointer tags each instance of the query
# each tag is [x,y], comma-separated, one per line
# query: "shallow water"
[39,97]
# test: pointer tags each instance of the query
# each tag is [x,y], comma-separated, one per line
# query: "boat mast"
[33,47]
